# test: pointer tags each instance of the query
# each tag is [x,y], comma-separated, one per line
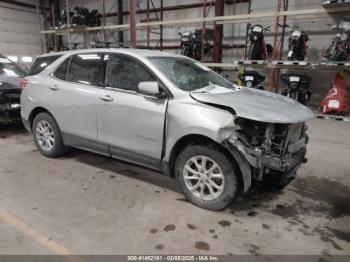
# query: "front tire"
[253,53]
[207,177]
[47,136]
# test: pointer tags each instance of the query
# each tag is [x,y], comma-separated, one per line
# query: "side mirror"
[150,89]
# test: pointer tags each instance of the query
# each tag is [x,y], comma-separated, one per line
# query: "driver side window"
[125,73]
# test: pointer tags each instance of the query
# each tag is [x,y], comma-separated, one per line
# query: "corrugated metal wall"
[19,28]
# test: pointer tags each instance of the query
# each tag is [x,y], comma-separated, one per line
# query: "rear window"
[84,68]
[41,63]
[10,69]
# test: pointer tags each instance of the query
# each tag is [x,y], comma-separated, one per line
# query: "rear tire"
[293,95]
[47,136]
[212,190]
[292,57]
[253,53]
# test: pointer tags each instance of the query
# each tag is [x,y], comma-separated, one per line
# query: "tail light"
[23,84]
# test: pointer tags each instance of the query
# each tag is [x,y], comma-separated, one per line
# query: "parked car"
[169,113]
[10,78]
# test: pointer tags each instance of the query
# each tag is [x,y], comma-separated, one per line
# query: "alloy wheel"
[203,178]
[45,135]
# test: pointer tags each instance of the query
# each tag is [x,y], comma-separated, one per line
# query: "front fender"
[193,118]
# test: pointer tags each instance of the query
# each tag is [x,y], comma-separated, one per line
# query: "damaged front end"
[274,152]
[10,108]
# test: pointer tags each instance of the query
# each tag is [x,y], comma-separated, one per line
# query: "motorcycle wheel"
[292,57]
[292,95]
[337,55]
[302,99]
[186,51]
[253,53]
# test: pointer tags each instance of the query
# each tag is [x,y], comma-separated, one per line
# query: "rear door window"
[61,72]
[41,63]
[84,68]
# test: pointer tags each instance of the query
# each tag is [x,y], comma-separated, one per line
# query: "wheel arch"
[37,111]
[203,140]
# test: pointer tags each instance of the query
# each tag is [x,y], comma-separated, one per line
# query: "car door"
[131,124]
[74,98]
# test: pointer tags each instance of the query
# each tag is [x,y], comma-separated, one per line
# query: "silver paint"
[145,130]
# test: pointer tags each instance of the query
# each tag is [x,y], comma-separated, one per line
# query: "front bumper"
[10,113]
[295,155]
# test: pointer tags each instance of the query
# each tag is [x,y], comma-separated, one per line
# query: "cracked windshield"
[191,76]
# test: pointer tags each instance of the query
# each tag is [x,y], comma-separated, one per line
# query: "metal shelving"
[232,19]
[278,64]
[279,15]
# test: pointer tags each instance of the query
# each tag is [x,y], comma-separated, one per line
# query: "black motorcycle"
[339,49]
[252,79]
[297,45]
[298,87]
[258,49]
[62,18]
[80,16]
[94,18]
[191,45]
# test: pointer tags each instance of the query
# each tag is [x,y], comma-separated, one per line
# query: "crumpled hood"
[258,105]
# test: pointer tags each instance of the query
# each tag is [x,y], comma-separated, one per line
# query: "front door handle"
[54,87]
[106,98]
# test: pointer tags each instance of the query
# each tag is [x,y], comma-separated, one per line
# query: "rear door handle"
[106,98]
[54,87]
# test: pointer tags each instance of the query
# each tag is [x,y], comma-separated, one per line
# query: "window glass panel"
[125,73]
[41,63]
[84,68]
[13,58]
[189,75]
[10,69]
[61,72]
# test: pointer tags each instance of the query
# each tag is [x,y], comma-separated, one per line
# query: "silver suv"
[169,113]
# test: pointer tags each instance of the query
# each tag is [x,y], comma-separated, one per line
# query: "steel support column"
[161,26]
[132,23]
[148,28]
[104,19]
[120,20]
[285,8]
[218,33]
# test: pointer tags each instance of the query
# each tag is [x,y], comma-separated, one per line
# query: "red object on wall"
[337,99]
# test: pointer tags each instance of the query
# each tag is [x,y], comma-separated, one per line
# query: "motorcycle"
[258,49]
[337,100]
[80,16]
[339,49]
[252,79]
[298,87]
[62,18]
[94,18]
[297,45]
[191,45]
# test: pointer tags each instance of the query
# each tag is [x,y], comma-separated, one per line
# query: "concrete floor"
[87,204]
